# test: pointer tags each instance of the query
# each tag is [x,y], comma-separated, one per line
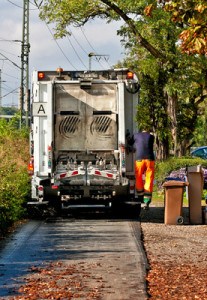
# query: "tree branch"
[141,40]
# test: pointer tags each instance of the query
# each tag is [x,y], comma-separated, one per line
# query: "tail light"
[31,167]
[41,192]
[54,187]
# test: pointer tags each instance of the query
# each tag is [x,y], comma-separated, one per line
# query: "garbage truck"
[80,124]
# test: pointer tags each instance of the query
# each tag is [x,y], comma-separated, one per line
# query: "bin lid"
[175,183]
[194,169]
[172,178]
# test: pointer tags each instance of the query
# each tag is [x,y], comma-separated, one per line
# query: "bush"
[14,178]
[176,168]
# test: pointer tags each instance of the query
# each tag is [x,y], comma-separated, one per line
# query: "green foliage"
[14,189]
[192,16]
[14,178]
[65,13]
[184,79]
[163,169]
[200,136]
[172,83]
[8,110]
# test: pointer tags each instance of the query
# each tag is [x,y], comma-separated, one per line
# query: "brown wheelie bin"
[174,202]
[196,181]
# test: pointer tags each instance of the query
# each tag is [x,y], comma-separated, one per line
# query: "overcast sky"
[47,54]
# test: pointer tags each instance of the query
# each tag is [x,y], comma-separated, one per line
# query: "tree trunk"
[161,149]
[182,148]
[172,104]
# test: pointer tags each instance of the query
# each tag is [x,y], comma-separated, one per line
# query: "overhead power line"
[14,4]
[76,53]
[10,92]
[79,43]
[10,61]
[5,86]
[87,39]
[20,6]
[60,48]
[98,60]
[38,6]
[74,49]
[8,52]
[10,75]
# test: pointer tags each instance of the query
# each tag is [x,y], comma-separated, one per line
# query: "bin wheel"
[180,220]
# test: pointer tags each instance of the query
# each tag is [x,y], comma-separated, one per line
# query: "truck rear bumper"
[37,202]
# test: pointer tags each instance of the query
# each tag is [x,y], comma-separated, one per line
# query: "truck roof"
[112,74]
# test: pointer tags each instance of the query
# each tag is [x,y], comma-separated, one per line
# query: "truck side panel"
[42,127]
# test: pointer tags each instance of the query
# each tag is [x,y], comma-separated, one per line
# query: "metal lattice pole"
[24,89]
[0,89]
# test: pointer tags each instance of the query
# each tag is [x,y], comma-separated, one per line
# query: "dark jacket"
[144,145]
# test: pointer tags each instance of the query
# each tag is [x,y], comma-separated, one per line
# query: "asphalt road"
[112,245]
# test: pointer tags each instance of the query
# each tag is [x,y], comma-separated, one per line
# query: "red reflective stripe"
[62,175]
[109,175]
[74,173]
[97,173]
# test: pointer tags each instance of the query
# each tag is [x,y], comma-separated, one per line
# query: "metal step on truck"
[80,122]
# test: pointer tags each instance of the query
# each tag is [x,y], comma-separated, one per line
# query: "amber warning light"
[130,75]
[59,70]
[41,75]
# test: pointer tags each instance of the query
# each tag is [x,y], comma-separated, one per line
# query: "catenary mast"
[24,89]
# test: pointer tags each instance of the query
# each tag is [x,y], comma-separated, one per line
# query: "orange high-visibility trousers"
[144,188]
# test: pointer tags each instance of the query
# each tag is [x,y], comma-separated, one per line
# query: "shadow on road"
[156,215]
[122,212]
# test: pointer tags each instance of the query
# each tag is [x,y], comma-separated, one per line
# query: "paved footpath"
[106,249]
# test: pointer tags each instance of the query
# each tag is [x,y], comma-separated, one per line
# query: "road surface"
[108,248]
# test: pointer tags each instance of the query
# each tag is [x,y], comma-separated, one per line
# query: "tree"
[150,44]
[191,15]
[70,12]
[181,89]
[8,110]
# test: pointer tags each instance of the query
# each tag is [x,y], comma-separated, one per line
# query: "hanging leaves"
[193,16]
[148,10]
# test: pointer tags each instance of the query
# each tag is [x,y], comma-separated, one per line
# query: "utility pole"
[0,90]
[24,89]
[106,56]
[1,85]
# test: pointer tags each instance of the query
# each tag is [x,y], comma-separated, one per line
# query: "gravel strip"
[177,256]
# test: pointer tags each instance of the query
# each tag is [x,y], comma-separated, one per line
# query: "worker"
[144,165]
